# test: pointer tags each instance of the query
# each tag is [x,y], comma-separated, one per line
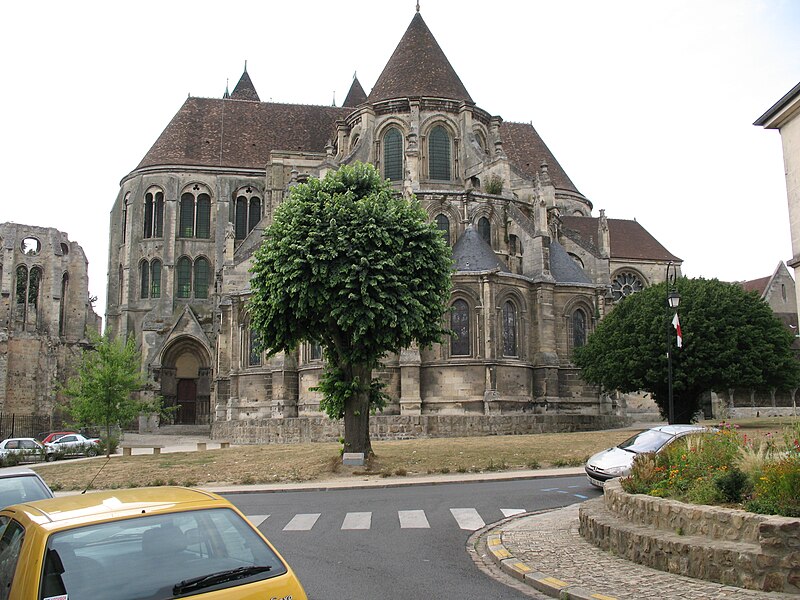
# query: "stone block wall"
[733,547]
[400,427]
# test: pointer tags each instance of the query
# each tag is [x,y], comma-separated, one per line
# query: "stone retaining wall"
[733,547]
[400,427]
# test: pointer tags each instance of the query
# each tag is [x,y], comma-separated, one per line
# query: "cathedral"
[534,270]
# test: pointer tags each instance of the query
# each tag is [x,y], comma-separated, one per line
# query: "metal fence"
[16,425]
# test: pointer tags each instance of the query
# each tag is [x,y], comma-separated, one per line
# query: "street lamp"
[673,299]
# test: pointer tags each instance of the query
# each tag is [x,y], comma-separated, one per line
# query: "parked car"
[617,461]
[53,436]
[164,542]
[26,449]
[21,484]
[71,445]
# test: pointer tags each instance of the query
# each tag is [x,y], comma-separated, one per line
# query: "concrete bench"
[126,448]
[204,445]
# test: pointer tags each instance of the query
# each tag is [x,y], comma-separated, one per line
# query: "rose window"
[625,284]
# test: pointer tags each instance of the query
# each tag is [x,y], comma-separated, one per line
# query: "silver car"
[21,484]
[617,461]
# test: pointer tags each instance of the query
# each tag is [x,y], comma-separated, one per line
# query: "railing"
[17,425]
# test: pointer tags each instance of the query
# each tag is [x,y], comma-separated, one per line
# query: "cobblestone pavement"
[552,551]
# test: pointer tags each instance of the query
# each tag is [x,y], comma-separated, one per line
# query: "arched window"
[201,269]
[254,354]
[509,329]
[144,274]
[62,305]
[459,323]
[479,137]
[393,155]
[315,351]
[247,213]
[485,230]
[184,277]
[125,215]
[22,284]
[443,223]
[439,154]
[578,328]
[195,214]
[119,284]
[155,278]
[154,214]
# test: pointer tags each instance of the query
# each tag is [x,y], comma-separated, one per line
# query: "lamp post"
[673,299]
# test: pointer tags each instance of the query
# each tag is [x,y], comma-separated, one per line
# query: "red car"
[52,437]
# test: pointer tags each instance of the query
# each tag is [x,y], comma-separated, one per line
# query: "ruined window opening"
[247,213]
[62,306]
[30,246]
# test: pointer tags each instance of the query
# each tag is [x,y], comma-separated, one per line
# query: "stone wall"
[733,547]
[399,427]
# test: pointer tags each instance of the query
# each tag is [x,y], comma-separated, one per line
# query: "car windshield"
[157,557]
[24,488]
[646,441]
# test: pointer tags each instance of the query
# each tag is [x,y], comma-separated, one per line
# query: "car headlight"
[616,471]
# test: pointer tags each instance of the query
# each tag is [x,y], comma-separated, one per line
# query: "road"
[398,543]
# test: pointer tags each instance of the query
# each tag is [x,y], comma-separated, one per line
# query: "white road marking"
[510,512]
[357,520]
[413,519]
[257,520]
[302,522]
[467,518]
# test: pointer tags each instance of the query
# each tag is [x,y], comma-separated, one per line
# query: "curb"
[525,573]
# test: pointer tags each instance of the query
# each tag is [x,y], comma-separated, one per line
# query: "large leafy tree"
[349,264]
[731,339]
[102,392]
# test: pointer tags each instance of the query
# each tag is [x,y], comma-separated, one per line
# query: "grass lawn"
[278,463]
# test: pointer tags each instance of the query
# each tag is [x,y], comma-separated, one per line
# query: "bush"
[111,443]
[495,184]
[777,490]
[732,485]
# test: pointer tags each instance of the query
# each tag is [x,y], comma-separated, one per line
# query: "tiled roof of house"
[756,285]
[418,67]
[628,238]
[527,151]
[227,133]
[245,90]
[356,95]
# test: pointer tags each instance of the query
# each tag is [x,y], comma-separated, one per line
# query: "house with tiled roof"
[534,270]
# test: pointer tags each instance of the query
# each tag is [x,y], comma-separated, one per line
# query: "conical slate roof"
[418,67]
[563,268]
[356,95]
[245,90]
[472,253]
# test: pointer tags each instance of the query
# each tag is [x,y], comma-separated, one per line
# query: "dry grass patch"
[280,463]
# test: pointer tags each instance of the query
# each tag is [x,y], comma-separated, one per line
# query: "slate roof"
[527,150]
[245,90]
[418,67]
[563,268]
[228,133]
[356,95]
[472,253]
[628,238]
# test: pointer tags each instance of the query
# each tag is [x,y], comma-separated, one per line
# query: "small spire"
[227,94]
[334,98]
[417,5]
[245,66]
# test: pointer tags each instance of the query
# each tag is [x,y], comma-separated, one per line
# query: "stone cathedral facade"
[534,270]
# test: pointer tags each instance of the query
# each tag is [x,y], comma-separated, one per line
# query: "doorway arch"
[186,381]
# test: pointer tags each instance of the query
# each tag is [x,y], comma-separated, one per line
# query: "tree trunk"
[356,413]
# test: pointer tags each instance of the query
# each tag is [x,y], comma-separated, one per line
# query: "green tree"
[102,391]
[731,339]
[349,264]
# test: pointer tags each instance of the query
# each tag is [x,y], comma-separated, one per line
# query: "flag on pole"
[677,325]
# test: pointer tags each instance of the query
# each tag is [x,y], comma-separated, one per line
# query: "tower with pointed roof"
[534,270]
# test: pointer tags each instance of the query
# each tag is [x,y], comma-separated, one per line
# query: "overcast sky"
[648,105]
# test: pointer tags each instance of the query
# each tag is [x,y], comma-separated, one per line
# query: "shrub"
[112,443]
[732,485]
[495,184]
[777,490]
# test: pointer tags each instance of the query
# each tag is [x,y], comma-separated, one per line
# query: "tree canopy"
[351,265]
[102,391]
[731,339]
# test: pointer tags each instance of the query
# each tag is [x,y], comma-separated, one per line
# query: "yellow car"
[138,544]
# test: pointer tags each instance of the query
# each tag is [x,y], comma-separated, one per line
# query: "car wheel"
[50,457]
[92,452]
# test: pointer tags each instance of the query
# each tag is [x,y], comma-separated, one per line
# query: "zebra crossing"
[468,519]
